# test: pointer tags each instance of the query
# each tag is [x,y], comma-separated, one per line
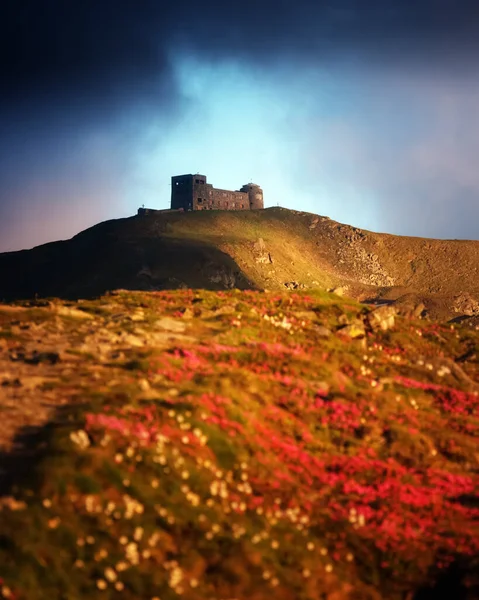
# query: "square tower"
[184,190]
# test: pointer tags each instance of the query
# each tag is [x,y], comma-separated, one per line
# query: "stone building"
[192,192]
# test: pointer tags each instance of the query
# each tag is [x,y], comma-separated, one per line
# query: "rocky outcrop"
[465,304]
[261,255]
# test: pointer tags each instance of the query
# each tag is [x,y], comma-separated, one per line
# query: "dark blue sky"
[365,111]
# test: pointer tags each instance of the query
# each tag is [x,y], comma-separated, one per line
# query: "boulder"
[382,318]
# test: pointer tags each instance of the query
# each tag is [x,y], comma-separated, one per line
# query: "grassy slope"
[217,250]
[239,450]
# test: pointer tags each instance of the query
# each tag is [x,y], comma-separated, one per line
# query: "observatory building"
[192,192]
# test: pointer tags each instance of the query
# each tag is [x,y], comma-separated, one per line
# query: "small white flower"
[176,576]
[80,438]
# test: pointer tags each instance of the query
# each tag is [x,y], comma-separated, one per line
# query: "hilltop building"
[192,192]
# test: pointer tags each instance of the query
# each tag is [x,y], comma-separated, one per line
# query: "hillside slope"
[235,444]
[267,249]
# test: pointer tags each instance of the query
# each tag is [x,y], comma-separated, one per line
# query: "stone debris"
[366,265]
[354,330]
[382,317]
[169,324]
[262,256]
[294,285]
[339,291]
[322,331]
[67,311]
[465,304]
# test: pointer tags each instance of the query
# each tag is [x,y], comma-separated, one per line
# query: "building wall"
[182,191]
[206,197]
[143,212]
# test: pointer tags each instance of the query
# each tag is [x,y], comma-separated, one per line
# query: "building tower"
[255,195]
[184,189]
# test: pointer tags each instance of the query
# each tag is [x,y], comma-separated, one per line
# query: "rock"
[259,246]
[339,291]
[354,330]
[144,385]
[309,315]
[133,340]
[465,304]
[170,324]
[261,254]
[138,315]
[35,357]
[264,258]
[418,310]
[221,275]
[410,306]
[75,313]
[322,331]
[382,318]
[223,310]
[294,285]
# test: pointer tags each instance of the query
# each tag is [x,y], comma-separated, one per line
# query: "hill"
[236,444]
[269,249]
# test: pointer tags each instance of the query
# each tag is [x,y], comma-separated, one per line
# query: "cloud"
[404,159]
[100,49]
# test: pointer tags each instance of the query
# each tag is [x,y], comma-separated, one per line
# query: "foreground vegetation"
[244,445]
